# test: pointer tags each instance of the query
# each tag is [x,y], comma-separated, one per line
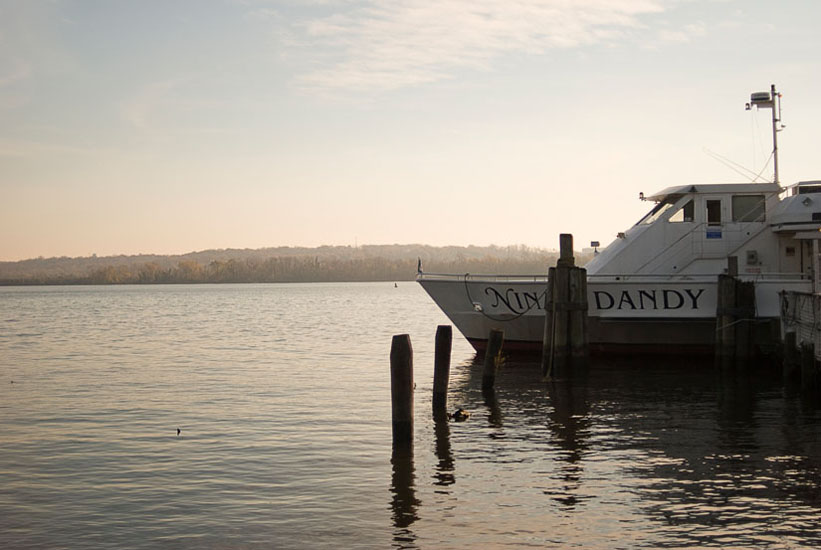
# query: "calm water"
[282,395]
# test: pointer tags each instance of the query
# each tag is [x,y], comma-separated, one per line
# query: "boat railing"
[616,277]
[482,277]
[612,277]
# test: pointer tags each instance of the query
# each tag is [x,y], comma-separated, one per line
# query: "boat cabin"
[692,229]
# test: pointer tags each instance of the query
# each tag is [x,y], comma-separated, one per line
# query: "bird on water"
[460,415]
[178,431]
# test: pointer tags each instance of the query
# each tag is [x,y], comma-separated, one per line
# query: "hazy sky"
[165,126]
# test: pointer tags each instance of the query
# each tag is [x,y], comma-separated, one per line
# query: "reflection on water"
[632,453]
[404,502]
[494,416]
[569,424]
[445,466]
[283,396]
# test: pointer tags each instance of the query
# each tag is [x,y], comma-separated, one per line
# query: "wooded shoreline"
[278,265]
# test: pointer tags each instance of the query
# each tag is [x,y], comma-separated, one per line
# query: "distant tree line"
[325,264]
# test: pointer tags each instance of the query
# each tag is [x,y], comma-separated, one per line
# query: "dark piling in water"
[565,336]
[441,371]
[735,318]
[402,390]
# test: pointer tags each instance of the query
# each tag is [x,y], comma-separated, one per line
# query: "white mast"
[768,100]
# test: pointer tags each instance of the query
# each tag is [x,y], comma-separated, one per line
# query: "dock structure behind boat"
[801,335]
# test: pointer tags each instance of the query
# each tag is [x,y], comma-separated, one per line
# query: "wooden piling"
[735,318]
[725,319]
[565,337]
[744,322]
[561,328]
[492,355]
[402,390]
[578,314]
[549,336]
[441,370]
[566,258]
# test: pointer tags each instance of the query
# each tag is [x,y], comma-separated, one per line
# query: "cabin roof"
[717,188]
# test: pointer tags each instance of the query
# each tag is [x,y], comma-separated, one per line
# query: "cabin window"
[714,212]
[748,208]
[684,214]
[656,212]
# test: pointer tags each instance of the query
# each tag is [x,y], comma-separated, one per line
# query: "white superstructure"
[655,285]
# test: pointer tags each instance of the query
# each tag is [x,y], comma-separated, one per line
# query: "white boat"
[654,288]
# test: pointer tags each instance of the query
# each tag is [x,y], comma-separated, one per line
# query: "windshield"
[655,213]
[659,210]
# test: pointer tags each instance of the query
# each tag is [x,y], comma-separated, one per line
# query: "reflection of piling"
[403,502]
[809,373]
[791,357]
[735,314]
[492,356]
[402,390]
[441,370]
[445,466]
[492,403]
[565,335]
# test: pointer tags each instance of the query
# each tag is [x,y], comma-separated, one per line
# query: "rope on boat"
[498,319]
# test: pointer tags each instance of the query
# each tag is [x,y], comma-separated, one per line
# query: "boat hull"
[625,314]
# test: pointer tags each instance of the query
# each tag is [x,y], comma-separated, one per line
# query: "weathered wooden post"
[549,337]
[492,353]
[725,345]
[744,322]
[565,336]
[441,371]
[402,390]
[578,314]
[561,324]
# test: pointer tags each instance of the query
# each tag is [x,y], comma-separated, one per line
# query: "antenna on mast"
[768,100]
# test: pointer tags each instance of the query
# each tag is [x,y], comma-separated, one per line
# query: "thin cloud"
[684,35]
[16,71]
[140,109]
[374,46]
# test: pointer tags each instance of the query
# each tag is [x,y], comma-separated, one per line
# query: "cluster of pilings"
[565,340]
[404,502]
[402,384]
[739,338]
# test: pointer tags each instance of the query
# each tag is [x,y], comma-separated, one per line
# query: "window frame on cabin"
[684,214]
[748,208]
